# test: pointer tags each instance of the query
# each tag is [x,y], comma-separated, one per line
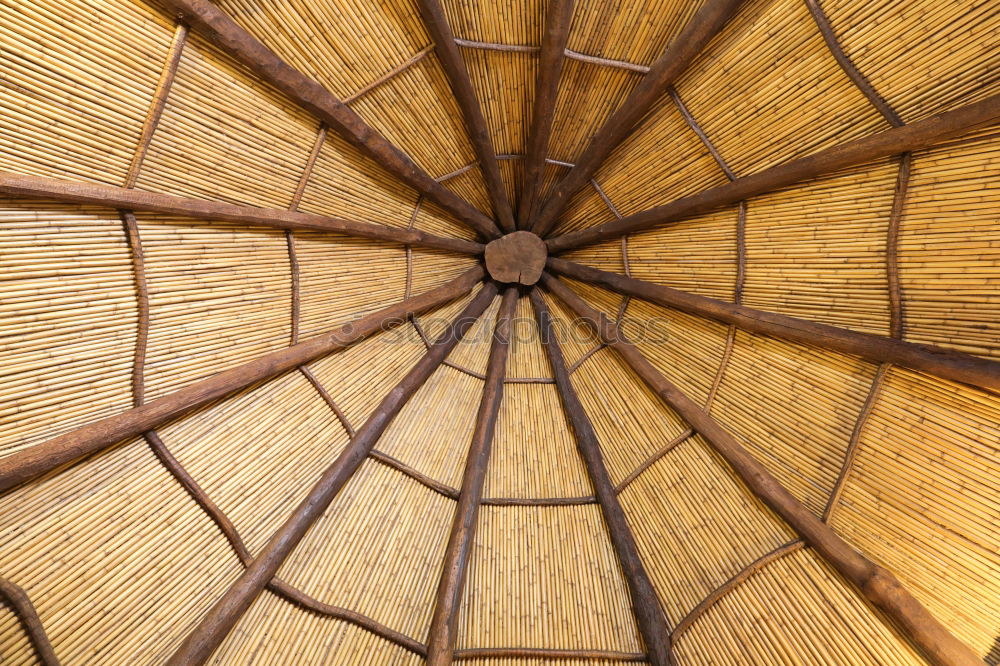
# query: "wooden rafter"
[21,605]
[683,49]
[20,185]
[444,622]
[914,136]
[557,23]
[946,363]
[875,583]
[227,611]
[475,123]
[98,435]
[220,29]
[648,614]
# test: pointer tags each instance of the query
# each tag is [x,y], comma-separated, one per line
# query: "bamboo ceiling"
[262,400]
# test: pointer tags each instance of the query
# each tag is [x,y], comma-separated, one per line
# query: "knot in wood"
[517,258]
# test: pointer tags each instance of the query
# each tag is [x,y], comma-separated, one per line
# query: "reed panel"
[696,525]
[949,247]
[219,296]
[248,146]
[636,32]
[15,645]
[602,299]
[69,319]
[687,349]
[545,577]
[921,498]
[923,57]
[471,186]
[346,45]
[433,431]
[512,175]
[432,268]
[794,408]
[75,94]
[698,255]
[505,85]
[534,451]
[818,251]
[608,256]
[632,423]
[344,559]
[274,631]
[433,219]
[118,560]
[258,453]
[516,22]
[799,611]
[526,356]
[472,352]
[779,95]
[342,279]
[575,337]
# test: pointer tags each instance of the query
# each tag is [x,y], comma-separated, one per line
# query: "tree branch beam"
[875,583]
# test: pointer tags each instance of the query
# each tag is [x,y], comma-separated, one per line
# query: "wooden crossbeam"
[444,622]
[20,185]
[875,583]
[223,31]
[648,614]
[938,361]
[683,49]
[914,136]
[557,23]
[475,123]
[227,611]
[98,435]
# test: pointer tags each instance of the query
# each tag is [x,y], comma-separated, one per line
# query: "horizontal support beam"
[213,628]
[938,361]
[205,17]
[98,435]
[915,136]
[875,583]
[38,187]
[707,22]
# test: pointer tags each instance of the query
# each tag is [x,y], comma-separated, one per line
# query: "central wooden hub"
[516,258]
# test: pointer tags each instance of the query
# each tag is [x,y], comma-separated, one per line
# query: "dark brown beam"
[475,124]
[444,623]
[648,615]
[223,31]
[550,64]
[875,583]
[938,361]
[682,50]
[98,435]
[19,602]
[227,611]
[39,187]
[919,134]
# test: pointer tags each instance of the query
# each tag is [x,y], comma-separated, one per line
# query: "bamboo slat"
[949,247]
[554,558]
[15,639]
[794,407]
[518,22]
[926,57]
[118,560]
[782,96]
[527,358]
[69,319]
[576,340]
[811,618]
[696,525]
[248,147]
[74,94]
[921,498]
[431,268]
[213,292]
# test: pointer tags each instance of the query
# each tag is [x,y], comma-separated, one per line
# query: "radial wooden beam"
[441,638]
[550,64]
[682,50]
[475,124]
[649,616]
[98,435]
[227,611]
[19,602]
[914,136]
[877,584]
[219,28]
[21,185]
[938,361]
